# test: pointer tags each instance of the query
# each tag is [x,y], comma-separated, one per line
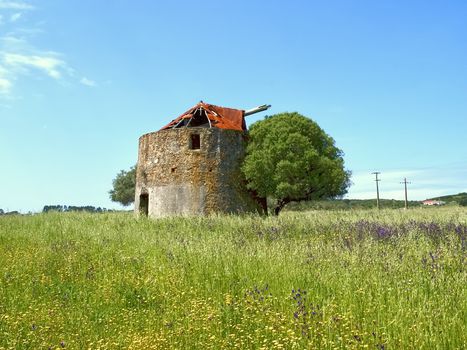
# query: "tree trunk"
[264,205]
[277,210]
[262,201]
[280,205]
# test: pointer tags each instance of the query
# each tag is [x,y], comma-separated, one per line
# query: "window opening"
[195,141]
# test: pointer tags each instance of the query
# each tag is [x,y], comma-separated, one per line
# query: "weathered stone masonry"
[192,171]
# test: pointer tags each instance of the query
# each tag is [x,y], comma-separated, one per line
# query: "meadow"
[367,279]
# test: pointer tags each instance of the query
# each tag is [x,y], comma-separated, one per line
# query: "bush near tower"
[123,187]
[290,158]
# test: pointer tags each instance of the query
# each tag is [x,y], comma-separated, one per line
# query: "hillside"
[452,198]
[342,204]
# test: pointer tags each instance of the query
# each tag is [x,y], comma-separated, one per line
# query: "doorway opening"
[144,204]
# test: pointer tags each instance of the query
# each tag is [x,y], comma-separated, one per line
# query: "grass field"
[391,279]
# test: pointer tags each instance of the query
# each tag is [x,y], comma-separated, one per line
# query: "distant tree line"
[69,208]
[62,209]
[2,212]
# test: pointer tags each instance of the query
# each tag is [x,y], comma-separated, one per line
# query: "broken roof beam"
[256,110]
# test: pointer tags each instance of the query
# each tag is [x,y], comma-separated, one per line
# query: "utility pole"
[377,188]
[405,186]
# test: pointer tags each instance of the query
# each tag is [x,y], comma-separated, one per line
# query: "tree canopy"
[124,184]
[290,158]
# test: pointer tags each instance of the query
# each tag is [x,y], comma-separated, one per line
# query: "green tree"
[290,158]
[123,190]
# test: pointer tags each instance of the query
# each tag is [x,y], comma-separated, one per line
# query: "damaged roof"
[210,116]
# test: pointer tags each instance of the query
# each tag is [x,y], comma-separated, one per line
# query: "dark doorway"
[144,204]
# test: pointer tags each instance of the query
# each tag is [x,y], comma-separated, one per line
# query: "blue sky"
[80,81]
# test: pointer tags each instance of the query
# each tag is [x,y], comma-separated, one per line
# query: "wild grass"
[391,279]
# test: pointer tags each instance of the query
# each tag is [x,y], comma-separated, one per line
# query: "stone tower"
[192,165]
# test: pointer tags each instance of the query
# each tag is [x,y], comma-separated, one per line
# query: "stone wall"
[178,180]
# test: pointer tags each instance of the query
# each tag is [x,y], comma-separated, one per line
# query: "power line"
[377,188]
[405,186]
